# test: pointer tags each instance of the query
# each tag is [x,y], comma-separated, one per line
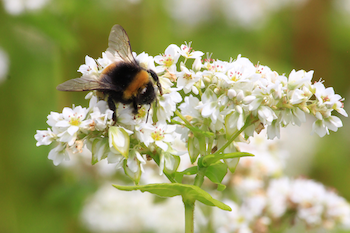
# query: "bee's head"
[147,94]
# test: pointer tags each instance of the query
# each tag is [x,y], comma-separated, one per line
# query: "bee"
[124,81]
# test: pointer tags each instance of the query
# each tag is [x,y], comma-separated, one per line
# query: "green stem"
[249,122]
[189,213]
[182,117]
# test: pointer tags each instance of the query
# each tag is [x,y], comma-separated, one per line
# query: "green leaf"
[213,158]
[216,173]
[188,192]
[189,171]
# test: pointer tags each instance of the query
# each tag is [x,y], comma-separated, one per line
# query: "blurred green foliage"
[47,46]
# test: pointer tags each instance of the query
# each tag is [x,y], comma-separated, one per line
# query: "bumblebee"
[124,81]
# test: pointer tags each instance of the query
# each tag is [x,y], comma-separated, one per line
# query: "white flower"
[44,137]
[53,118]
[72,120]
[106,60]
[322,125]
[209,106]
[160,134]
[58,154]
[277,196]
[266,115]
[188,108]
[90,67]
[299,78]
[167,104]
[169,58]
[186,80]
[100,113]
[185,51]
[16,7]
[147,62]
[328,98]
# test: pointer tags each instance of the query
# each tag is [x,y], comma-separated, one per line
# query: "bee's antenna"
[148,113]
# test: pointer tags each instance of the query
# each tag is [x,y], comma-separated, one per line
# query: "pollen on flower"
[325,98]
[188,76]
[75,121]
[158,135]
[168,62]
[141,113]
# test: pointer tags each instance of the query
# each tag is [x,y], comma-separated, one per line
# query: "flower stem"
[249,122]
[189,213]
[182,117]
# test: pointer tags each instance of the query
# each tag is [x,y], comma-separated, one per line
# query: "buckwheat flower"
[147,62]
[300,95]
[135,161]
[241,70]
[322,125]
[53,118]
[160,134]
[106,60]
[129,120]
[169,59]
[328,98]
[89,68]
[72,120]
[216,72]
[197,64]
[209,107]
[235,119]
[277,196]
[44,137]
[186,80]
[266,115]
[294,116]
[167,104]
[58,154]
[188,108]
[296,79]
[337,211]
[100,118]
[253,206]
[187,52]
[309,196]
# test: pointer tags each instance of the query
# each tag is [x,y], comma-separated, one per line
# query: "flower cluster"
[267,200]
[262,198]
[217,99]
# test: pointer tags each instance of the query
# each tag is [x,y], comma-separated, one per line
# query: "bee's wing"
[88,83]
[119,44]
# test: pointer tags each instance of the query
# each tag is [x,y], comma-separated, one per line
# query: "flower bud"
[231,93]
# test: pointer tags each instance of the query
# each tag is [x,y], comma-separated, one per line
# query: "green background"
[47,46]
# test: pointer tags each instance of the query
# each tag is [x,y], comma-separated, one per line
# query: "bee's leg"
[156,79]
[112,107]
